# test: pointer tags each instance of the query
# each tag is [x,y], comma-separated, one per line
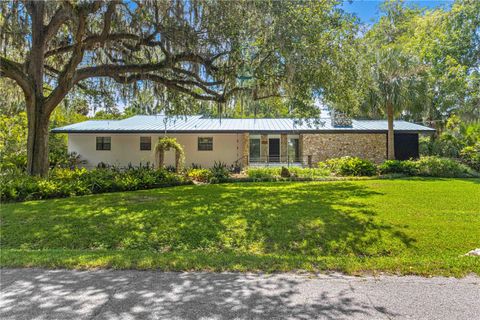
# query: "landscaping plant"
[442,167]
[408,168]
[200,175]
[350,166]
[220,172]
[18,186]
[295,173]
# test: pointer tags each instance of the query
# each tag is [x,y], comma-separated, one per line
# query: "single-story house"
[245,142]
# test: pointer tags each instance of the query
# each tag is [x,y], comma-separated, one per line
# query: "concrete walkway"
[59,294]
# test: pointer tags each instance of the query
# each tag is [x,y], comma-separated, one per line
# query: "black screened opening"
[406,146]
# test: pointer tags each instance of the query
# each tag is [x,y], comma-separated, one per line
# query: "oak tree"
[203,49]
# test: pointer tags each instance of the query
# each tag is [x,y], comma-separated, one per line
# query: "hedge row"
[356,167]
[17,186]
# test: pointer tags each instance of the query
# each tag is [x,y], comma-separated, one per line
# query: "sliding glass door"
[293,150]
[254,150]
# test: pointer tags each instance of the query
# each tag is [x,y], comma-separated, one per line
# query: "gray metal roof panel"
[159,123]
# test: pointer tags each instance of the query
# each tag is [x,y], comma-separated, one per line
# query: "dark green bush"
[350,166]
[427,167]
[219,172]
[17,186]
[459,140]
[285,173]
[442,167]
[396,166]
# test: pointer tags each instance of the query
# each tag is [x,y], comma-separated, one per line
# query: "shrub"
[442,167]
[309,173]
[201,175]
[195,166]
[272,174]
[471,156]
[397,166]
[263,174]
[219,172]
[284,173]
[17,186]
[350,166]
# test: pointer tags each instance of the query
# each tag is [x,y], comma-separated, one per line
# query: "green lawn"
[408,226]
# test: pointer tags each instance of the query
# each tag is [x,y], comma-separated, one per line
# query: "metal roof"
[186,124]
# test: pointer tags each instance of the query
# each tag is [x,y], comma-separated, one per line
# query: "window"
[294,150]
[145,143]
[104,143]
[205,143]
[254,149]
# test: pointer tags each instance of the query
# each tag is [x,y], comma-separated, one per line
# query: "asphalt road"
[60,294]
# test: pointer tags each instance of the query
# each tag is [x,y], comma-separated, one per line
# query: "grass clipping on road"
[405,226]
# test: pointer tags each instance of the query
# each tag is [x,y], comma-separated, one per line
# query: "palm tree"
[398,84]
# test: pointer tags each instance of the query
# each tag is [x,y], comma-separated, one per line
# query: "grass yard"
[407,226]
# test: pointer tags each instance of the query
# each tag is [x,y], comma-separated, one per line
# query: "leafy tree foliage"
[396,80]
[13,138]
[446,42]
[423,65]
[460,140]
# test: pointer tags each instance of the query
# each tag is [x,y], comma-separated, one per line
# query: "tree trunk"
[391,134]
[37,140]
[38,116]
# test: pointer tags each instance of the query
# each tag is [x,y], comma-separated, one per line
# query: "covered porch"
[272,150]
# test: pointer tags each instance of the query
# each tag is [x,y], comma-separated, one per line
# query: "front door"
[274,150]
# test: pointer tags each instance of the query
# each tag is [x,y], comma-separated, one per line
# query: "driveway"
[60,294]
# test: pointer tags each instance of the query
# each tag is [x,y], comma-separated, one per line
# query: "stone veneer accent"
[300,147]
[283,147]
[246,149]
[323,146]
[264,147]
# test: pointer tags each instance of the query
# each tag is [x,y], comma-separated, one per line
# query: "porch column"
[246,149]
[264,148]
[283,147]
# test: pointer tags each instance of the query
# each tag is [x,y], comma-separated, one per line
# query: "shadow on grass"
[288,219]
[151,295]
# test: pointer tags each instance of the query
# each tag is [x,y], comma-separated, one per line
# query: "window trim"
[198,144]
[102,143]
[144,144]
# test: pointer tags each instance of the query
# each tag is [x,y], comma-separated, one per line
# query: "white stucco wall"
[125,149]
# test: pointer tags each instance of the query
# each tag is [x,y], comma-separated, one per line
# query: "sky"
[367,10]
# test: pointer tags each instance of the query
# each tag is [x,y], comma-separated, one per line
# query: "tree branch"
[107,20]
[197,77]
[60,17]
[90,41]
[172,84]
[65,80]
[111,70]
[13,70]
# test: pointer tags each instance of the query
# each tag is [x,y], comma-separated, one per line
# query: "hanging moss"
[165,144]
